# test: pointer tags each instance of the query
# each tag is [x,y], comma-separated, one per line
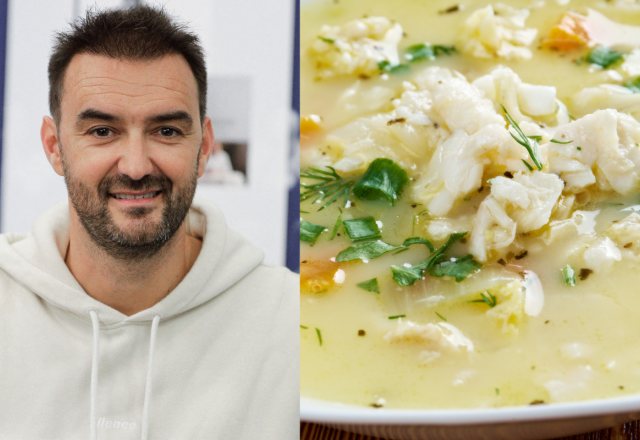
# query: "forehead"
[129,88]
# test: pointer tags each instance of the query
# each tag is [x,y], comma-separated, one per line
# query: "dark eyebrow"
[91,113]
[178,115]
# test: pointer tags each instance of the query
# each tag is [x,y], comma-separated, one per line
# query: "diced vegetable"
[384,179]
[310,232]
[360,229]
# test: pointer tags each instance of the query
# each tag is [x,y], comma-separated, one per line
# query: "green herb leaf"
[330,184]
[427,51]
[400,251]
[419,240]
[384,179]
[441,317]
[527,164]
[370,285]
[524,141]
[319,335]
[336,226]
[460,268]
[536,137]
[556,141]
[634,85]
[304,327]
[365,251]
[360,229]
[327,40]
[580,60]
[497,391]
[407,276]
[603,56]
[397,316]
[490,300]
[310,232]
[578,148]
[387,67]
[569,275]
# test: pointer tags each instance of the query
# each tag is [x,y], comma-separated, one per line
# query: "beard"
[134,242]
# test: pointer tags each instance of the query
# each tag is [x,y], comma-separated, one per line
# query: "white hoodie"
[217,358]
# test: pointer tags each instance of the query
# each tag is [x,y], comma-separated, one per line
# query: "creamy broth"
[580,346]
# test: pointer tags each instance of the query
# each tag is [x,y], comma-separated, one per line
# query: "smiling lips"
[135,196]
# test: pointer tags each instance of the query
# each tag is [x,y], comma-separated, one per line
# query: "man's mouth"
[134,196]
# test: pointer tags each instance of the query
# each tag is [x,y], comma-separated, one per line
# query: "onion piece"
[534,295]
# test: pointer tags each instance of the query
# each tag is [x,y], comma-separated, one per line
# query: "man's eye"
[168,132]
[101,132]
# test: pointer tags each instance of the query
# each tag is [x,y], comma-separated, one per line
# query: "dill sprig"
[489,300]
[330,184]
[525,141]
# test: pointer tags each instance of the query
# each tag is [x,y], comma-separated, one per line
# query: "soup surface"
[519,284]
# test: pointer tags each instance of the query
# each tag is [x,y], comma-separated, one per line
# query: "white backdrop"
[248,38]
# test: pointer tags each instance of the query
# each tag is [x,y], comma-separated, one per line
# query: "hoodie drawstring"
[147,391]
[94,376]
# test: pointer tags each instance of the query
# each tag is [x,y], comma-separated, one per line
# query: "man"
[131,312]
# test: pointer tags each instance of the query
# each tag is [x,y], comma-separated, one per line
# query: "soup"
[472,239]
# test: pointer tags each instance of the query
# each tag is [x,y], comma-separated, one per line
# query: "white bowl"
[509,423]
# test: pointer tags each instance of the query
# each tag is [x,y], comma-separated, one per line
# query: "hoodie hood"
[36,260]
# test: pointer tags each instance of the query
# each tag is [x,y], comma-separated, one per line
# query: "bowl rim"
[313,410]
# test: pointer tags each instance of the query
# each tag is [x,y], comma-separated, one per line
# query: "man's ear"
[207,145]
[50,143]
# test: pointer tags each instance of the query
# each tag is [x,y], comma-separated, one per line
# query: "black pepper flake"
[363,76]
[537,402]
[376,405]
[323,153]
[547,321]
[502,262]
[584,274]
[413,206]
[521,255]
[450,9]
[628,245]
[395,121]
[463,240]
[533,367]
[621,387]
[480,189]
[353,203]
[361,333]
[508,174]
[304,261]
[436,125]
[338,235]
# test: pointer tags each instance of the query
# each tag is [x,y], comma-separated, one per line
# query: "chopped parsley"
[319,336]
[336,226]
[370,285]
[304,327]
[419,240]
[460,268]
[634,85]
[397,316]
[603,56]
[387,67]
[310,232]
[556,141]
[441,317]
[579,148]
[569,275]
[383,180]
[326,40]
[427,51]
[365,251]
[360,229]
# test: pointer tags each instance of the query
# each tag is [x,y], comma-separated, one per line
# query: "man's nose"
[135,161]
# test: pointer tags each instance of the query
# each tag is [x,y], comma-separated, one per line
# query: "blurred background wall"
[249,46]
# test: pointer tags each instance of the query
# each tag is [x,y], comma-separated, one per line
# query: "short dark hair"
[140,33]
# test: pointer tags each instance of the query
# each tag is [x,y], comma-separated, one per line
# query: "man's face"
[131,147]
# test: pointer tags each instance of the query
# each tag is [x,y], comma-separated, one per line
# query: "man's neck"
[127,286]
